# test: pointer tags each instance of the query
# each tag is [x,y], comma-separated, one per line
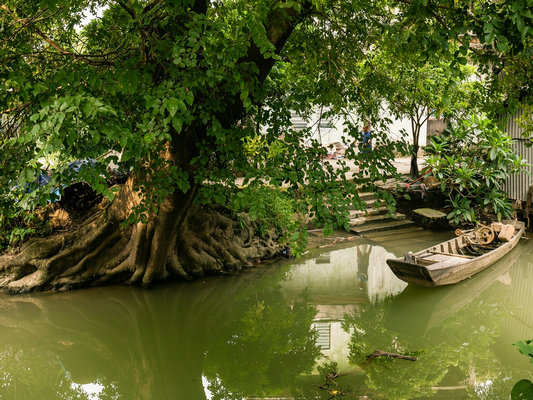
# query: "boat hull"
[453,268]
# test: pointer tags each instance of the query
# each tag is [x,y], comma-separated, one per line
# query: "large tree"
[180,89]
[161,82]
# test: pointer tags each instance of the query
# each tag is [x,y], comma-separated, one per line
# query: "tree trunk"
[180,241]
[415,127]
[414,173]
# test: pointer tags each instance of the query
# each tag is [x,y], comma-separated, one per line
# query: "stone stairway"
[376,222]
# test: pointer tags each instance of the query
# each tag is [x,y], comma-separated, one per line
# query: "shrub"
[472,160]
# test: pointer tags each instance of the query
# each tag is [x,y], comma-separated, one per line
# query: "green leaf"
[71,138]
[96,137]
[522,390]
[526,12]
[177,123]
[488,28]
[126,155]
[123,141]
[173,105]
[526,348]
[189,98]
[36,129]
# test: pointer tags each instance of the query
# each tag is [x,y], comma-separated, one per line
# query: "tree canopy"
[179,89]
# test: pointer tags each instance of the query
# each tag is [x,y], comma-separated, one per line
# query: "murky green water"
[250,336]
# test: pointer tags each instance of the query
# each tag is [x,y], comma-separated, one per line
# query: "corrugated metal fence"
[516,186]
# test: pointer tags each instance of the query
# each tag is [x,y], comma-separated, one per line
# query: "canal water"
[276,333]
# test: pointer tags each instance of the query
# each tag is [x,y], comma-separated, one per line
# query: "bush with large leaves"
[472,160]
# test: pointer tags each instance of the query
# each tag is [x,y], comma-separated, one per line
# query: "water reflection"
[243,336]
[249,336]
[462,335]
[356,274]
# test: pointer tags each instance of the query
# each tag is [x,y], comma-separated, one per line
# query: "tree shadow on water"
[225,337]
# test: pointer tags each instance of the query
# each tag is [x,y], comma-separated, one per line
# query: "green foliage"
[213,84]
[499,33]
[526,123]
[526,348]
[326,368]
[523,389]
[414,323]
[265,349]
[268,207]
[472,161]
[17,225]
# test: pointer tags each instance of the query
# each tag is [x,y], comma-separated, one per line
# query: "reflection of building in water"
[381,281]
[337,283]
[347,276]
[332,339]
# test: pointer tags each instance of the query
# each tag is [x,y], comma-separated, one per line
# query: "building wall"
[329,131]
[516,186]
[435,126]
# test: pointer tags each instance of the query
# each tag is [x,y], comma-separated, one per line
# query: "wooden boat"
[434,306]
[456,259]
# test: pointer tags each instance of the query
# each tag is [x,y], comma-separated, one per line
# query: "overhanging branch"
[30,23]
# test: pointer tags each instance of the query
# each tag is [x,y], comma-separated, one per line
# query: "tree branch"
[128,9]
[144,34]
[17,108]
[150,6]
[437,16]
[66,52]
[279,25]
[379,353]
[29,22]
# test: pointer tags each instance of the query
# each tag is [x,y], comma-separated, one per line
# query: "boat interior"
[459,249]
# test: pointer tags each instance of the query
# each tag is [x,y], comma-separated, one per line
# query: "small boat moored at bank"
[459,258]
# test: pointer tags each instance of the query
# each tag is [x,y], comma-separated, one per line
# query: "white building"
[328,131]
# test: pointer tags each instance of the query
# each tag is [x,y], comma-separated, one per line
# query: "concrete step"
[367,196]
[372,219]
[368,212]
[371,203]
[381,226]
[393,234]
[388,240]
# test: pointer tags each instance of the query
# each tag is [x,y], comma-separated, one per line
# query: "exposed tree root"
[102,252]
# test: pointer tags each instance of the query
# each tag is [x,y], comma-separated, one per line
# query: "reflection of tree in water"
[113,337]
[264,352]
[443,355]
[246,338]
[151,344]
[20,380]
